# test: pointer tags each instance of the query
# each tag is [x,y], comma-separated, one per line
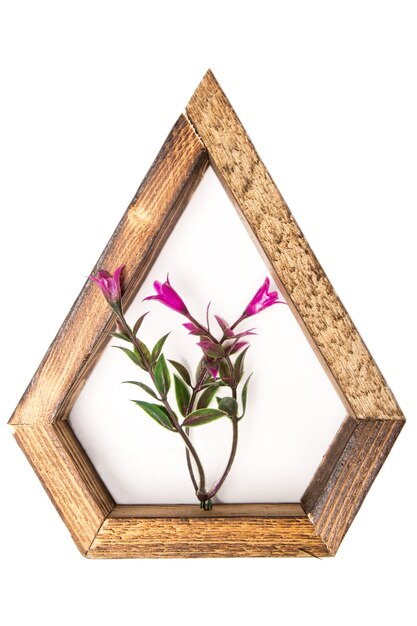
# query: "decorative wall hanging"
[209,132]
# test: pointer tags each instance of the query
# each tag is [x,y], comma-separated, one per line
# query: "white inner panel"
[293,411]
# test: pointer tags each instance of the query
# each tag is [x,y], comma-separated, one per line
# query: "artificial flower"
[262,300]
[168,296]
[109,285]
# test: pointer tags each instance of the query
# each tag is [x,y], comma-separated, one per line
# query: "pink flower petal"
[168,296]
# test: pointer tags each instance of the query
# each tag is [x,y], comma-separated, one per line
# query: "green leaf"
[157,412]
[225,373]
[211,349]
[145,351]
[162,376]
[229,405]
[245,395]
[239,366]
[142,386]
[203,416]
[202,368]
[210,383]
[207,396]
[132,355]
[182,394]
[158,347]
[121,336]
[199,368]
[138,323]
[182,371]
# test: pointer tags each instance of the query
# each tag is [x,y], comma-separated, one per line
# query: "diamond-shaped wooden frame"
[210,132]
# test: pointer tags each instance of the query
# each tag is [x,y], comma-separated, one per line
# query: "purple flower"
[262,300]
[109,285]
[168,296]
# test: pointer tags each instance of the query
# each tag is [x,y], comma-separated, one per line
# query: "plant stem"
[233,387]
[226,357]
[200,488]
[217,486]
[190,407]
[232,327]
[240,319]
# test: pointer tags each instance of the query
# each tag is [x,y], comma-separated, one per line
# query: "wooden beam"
[137,241]
[308,291]
[69,478]
[350,467]
[228,531]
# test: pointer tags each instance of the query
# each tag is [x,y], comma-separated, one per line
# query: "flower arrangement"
[221,365]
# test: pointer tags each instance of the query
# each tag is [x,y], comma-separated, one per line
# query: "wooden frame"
[210,132]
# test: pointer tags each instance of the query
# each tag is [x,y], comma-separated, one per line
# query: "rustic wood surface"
[374,417]
[333,511]
[136,242]
[253,509]
[315,527]
[68,476]
[213,535]
[288,255]
[317,486]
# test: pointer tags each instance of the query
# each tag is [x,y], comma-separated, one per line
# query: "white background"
[293,411]
[327,93]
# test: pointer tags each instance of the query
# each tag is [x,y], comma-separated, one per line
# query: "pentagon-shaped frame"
[210,132]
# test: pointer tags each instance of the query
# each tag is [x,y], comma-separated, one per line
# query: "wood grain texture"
[316,527]
[136,242]
[202,535]
[254,509]
[350,474]
[287,253]
[68,476]
[323,473]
